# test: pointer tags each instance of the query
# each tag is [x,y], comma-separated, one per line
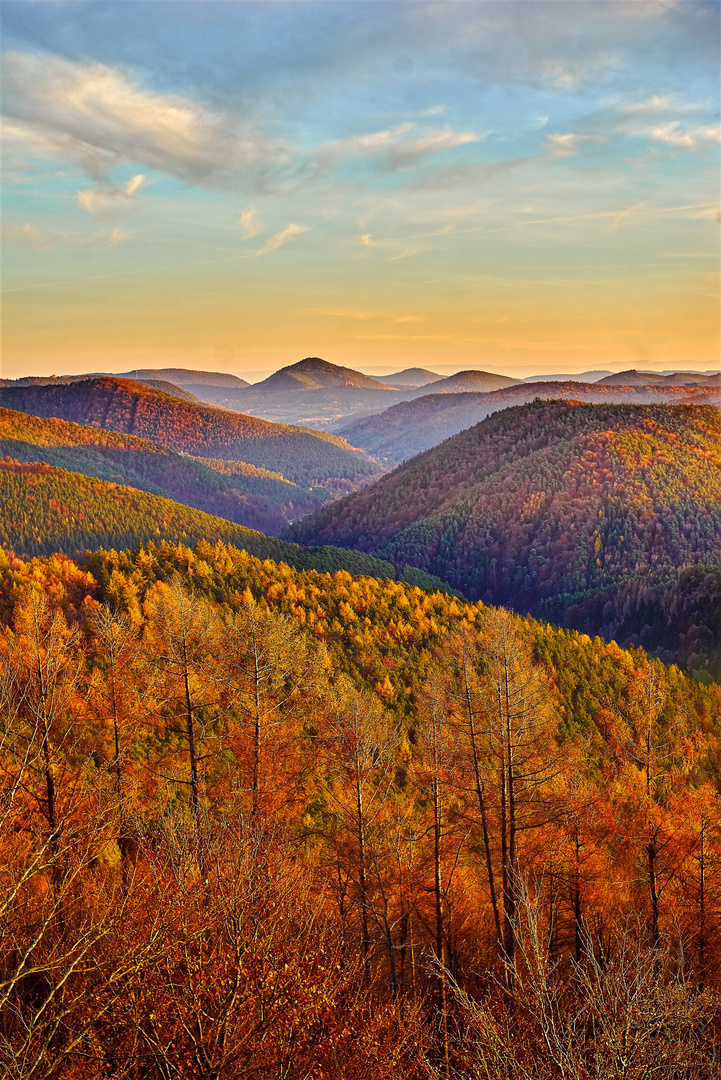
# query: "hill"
[552,506]
[57,380]
[481,382]
[412,377]
[304,783]
[311,393]
[242,493]
[309,458]
[654,378]
[582,377]
[185,377]
[314,374]
[410,427]
[47,509]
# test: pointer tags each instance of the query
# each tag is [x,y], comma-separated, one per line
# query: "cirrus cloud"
[282,238]
[99,117]
[672,134]
[109,198]
[250,224]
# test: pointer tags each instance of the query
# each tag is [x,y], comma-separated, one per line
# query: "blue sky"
[518,186]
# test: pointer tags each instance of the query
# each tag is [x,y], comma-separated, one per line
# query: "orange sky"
[523,188]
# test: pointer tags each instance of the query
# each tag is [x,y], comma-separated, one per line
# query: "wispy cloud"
[109,198]
[672,134]
[42,240]
[396,147]
[282,238]
[564,145]
[659,104]
[28,235]
[98,117]
[250,224]
[117,236]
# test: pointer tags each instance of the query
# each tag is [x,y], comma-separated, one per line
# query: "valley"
[321,717]
[360,541]
[570,510]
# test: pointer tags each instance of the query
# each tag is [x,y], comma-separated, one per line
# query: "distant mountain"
[235,490]
[412,377]
[410,427]
[315,374]
[479,381]
[654,378]
[305,457]
[56,380]
[583,376]
[45,509]
[553,507]
[320,409]
[311,393]
[318,394]
[186,377]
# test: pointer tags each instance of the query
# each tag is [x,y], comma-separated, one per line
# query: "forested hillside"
[411,427]
[312,459]
[47,509]
[285,824]
[243,493]
[552,507]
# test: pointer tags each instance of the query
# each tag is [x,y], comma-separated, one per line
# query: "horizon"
[378,371]
[517,187]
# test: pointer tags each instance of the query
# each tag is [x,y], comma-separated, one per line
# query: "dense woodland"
[412,427]
[576,512]
[235,490]
[47,509]
[309,458]
[265,822]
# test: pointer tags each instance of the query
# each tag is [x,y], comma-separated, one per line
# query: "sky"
[521,186]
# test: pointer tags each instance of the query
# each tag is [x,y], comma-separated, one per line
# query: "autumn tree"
[360,752]
[181,640]
[272,681]
[40,667]
[119,702]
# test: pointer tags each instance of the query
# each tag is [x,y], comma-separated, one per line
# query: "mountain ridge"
[47,510]
[311,458]
[411,427]
[237,491]
[553,502]
[313,373]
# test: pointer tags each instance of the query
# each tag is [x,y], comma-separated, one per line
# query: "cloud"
[117,236]
[367,241]
[250,224]
[672,134]
[108,198]
[395,147]
[41,240]
[409,252]
[657,105]
[283,237]
[564,145]
[27,235]
[98,117]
